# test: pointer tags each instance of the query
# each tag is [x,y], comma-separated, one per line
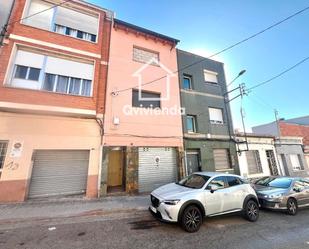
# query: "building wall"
[295,130]
[261,145]
[288,149]
[20,33]
[206,147]
[140,130]
[38,132]
[196,101]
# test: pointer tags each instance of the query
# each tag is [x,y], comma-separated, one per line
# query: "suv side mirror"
[212,188]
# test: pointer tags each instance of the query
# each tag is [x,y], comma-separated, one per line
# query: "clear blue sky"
[206,27]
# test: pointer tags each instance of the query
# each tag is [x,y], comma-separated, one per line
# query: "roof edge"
[147,31]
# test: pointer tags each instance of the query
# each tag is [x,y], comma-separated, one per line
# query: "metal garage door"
[59,172]
[157,166]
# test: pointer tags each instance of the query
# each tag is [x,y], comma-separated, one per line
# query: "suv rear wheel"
[251,211]
[191,219]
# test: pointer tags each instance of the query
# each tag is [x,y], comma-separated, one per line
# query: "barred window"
[3,150]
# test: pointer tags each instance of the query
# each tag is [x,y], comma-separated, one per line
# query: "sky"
[205,27]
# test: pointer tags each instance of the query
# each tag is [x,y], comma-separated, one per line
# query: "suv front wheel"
[191,219]
[251,211]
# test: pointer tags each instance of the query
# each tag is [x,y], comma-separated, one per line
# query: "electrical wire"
[223,50]
[279,75]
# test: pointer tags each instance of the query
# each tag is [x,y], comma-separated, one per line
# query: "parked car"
[204,194]
[283,193]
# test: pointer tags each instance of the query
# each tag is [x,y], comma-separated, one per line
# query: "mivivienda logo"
[144,107]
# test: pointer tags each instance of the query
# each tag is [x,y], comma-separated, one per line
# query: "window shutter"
[29,59]
[69,68]
[42,20]
[76,20]
[210,76]
[221,157]
[215,114]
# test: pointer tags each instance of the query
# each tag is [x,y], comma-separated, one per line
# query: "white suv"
[204,194]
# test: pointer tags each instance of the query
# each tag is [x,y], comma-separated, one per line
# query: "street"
[138,229]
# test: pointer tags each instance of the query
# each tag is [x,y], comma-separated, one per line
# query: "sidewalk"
[70,207]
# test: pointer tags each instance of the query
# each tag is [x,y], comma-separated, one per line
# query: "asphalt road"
[140,230]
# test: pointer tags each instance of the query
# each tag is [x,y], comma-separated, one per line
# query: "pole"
[278,125]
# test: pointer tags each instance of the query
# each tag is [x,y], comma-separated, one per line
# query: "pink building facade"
[142,128]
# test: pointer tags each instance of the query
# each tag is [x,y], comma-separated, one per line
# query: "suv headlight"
[171,202]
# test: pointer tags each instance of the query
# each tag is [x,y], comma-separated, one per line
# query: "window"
[254,162]
[210,77]
[74,33]
[296,162]
[187,82]
[62,20]
[145,56]
[222,159]
[68,85]
[3,149]
[191,123]
[218,182]
[194,181]
[44,72]
[151,100]
[233,181]
[27,73]
[215,115]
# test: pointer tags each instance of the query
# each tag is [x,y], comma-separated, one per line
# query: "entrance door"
[192,162]
[115,168]
[272,162]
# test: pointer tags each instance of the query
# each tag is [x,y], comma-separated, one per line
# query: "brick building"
[53,74]
[292,142]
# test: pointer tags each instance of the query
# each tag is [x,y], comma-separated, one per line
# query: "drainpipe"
[4,28]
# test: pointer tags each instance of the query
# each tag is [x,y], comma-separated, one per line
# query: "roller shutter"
[59,172]
[221,157]
[157,166]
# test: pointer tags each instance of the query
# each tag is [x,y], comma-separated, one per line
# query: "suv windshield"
[275,182]
[194,181]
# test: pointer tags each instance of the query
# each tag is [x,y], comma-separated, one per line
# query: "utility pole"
[278,124]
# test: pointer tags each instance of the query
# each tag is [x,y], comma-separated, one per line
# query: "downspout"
[4,28]
[101,121]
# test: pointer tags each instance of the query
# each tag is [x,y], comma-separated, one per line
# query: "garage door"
[157,166]
[59,172]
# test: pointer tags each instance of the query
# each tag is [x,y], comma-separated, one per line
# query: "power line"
[279,75]
[225,49]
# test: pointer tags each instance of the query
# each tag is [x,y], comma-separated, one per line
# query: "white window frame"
[28,72]
[52,24]
[212,73]
[297,167]
[212,121]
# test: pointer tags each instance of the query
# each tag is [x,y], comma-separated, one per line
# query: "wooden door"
[115,168]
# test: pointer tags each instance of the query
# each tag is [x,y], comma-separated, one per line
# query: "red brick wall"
[96,102]
[295,130]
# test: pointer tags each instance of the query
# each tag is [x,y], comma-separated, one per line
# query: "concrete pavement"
[70,207]
[140,230]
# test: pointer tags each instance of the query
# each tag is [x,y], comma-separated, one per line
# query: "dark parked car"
[283,193]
